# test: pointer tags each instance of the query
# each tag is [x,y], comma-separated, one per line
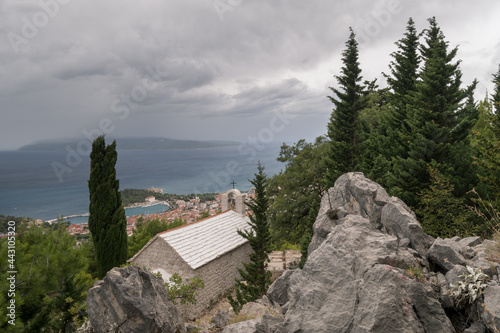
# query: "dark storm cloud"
[191,69]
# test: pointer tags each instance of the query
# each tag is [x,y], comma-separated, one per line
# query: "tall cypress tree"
[107,221]
[438,120]
[344,152]
[256,276]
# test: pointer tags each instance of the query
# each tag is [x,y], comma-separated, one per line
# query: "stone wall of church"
[218,275]
[160,255]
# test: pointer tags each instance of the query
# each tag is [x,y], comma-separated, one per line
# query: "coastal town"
[188,210]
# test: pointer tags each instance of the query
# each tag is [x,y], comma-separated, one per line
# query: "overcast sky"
[206,69]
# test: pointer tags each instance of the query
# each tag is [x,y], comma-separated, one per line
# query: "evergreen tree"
[256,276]
[442,214]
[344,152]
[107,221]
[495,99]
[487,143]
[391,137]
[439,123]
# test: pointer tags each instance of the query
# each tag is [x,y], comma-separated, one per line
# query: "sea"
[46,185]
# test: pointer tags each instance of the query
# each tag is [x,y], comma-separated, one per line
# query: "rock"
[456,239]
[270,324]
[477,327]
[404,242]
[481,259]
[254,310]
[131,299]
[490,312]
[356,279]
[221,319]
[278,291]
[470,241]
[249,326]
[352,194]
[468,252]
[453,275]
[446,254]
[400,221]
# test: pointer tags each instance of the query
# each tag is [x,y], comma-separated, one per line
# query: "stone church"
[210,248]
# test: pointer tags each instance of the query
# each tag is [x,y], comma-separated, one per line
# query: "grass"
[416,272]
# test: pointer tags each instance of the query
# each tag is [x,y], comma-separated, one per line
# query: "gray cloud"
[206,77]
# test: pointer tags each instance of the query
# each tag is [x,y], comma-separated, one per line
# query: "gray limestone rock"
[278,291]
[221,319]
[477,327]
[490,312]
[453,275]
[131,299]
[356,282]
[446,254]
[470,241]
[249,326]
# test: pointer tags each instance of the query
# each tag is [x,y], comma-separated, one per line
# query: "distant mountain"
[130,144]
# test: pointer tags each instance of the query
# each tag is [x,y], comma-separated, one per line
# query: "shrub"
[470,288]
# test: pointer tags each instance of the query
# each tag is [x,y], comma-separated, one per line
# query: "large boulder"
[356,281]
[446,254]
[131,299]
[490,309]
[354,194]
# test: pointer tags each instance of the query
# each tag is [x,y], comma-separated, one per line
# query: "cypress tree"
[107,221]
[344,129]
[439,122]
[256,276]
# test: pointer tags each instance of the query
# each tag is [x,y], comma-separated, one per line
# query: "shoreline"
[135,205]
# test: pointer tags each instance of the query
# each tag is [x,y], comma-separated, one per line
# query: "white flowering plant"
[470,288]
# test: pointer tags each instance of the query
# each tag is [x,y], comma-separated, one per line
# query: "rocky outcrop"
[371,268]
[131,299]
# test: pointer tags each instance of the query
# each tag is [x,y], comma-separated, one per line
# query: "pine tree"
[107,221]
[344,153]
[402,82]
[439,122]
[495,99]
[256,276]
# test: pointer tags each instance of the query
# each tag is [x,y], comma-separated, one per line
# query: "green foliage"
[107,221]
[186,292]
[146,230]
[4,221]
[416,272]
[439,117]
[131,196]
[255,275]
[51,281]
[344,152]
[441,213]
[295,193]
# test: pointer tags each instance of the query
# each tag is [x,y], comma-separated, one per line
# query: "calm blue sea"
[30,187]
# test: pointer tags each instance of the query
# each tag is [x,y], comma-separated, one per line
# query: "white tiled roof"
[201,242]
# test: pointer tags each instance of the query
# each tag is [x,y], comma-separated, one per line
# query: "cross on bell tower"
[233,183]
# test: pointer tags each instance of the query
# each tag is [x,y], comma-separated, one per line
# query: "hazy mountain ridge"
[130,144]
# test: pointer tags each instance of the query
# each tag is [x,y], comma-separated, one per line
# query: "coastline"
[134,205]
